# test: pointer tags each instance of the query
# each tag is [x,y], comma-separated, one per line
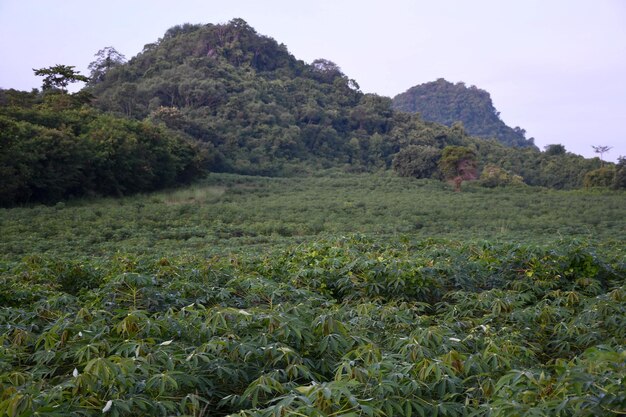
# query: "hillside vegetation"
[447,103]
[266,112]
[223,98]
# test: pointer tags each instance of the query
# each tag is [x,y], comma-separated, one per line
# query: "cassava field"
[336,295]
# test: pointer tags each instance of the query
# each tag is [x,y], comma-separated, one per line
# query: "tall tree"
[416,161]
[59,76]
[325,70]
[458,164]
[554,149]
[601,149]
[106,58]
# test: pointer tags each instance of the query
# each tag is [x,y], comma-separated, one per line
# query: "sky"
[556,68]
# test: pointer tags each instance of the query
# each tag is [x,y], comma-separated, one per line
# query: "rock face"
[447,103]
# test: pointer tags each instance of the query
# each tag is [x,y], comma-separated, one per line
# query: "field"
[229,213]
[335,295]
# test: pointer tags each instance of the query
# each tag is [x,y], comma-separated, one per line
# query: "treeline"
[559,170]
[53,147]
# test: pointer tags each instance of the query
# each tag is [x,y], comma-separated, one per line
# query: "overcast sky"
[556,68]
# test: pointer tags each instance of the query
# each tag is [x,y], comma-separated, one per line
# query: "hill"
[447,103]
[263,110]
[244,93]
[223,98]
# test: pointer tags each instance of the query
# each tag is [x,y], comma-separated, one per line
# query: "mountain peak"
[447,103]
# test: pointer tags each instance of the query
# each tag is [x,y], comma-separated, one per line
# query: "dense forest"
[54,147]
[223,98]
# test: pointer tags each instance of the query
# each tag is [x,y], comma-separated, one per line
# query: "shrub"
[619,181]
[601,177]
[494,176]
[416,161]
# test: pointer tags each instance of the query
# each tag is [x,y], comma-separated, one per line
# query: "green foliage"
[107,59]
[258,110]
[262,109]
[250,107]
[329,294]
[555,149]
[494,176]
[620,174]
[601,149]
[561,171]
[224,299]
[458,164]
[227,212]
[16,98]
[247,96]
[344,326]
[48,155]
[601,177]
[416,161]
[443,102]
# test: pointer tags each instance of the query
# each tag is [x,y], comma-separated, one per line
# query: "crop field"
[338,295]
[227,213]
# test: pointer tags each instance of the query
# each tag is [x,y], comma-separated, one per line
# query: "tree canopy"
[59,76]
[48,154]
[106,59]
[417,161]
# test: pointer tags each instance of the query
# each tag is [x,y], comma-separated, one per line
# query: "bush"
[494,176]
[601,177]
[416,161]
[619,182]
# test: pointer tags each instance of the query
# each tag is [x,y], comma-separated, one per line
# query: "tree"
[495,176]
[601,177]
[107,58]
[458,164]
[59,77]
[601,150]
[325,70]
[416,161]
[554,149]
[619,182]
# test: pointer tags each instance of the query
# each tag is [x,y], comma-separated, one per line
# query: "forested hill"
[223,98]
[447,103]
[260,109]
